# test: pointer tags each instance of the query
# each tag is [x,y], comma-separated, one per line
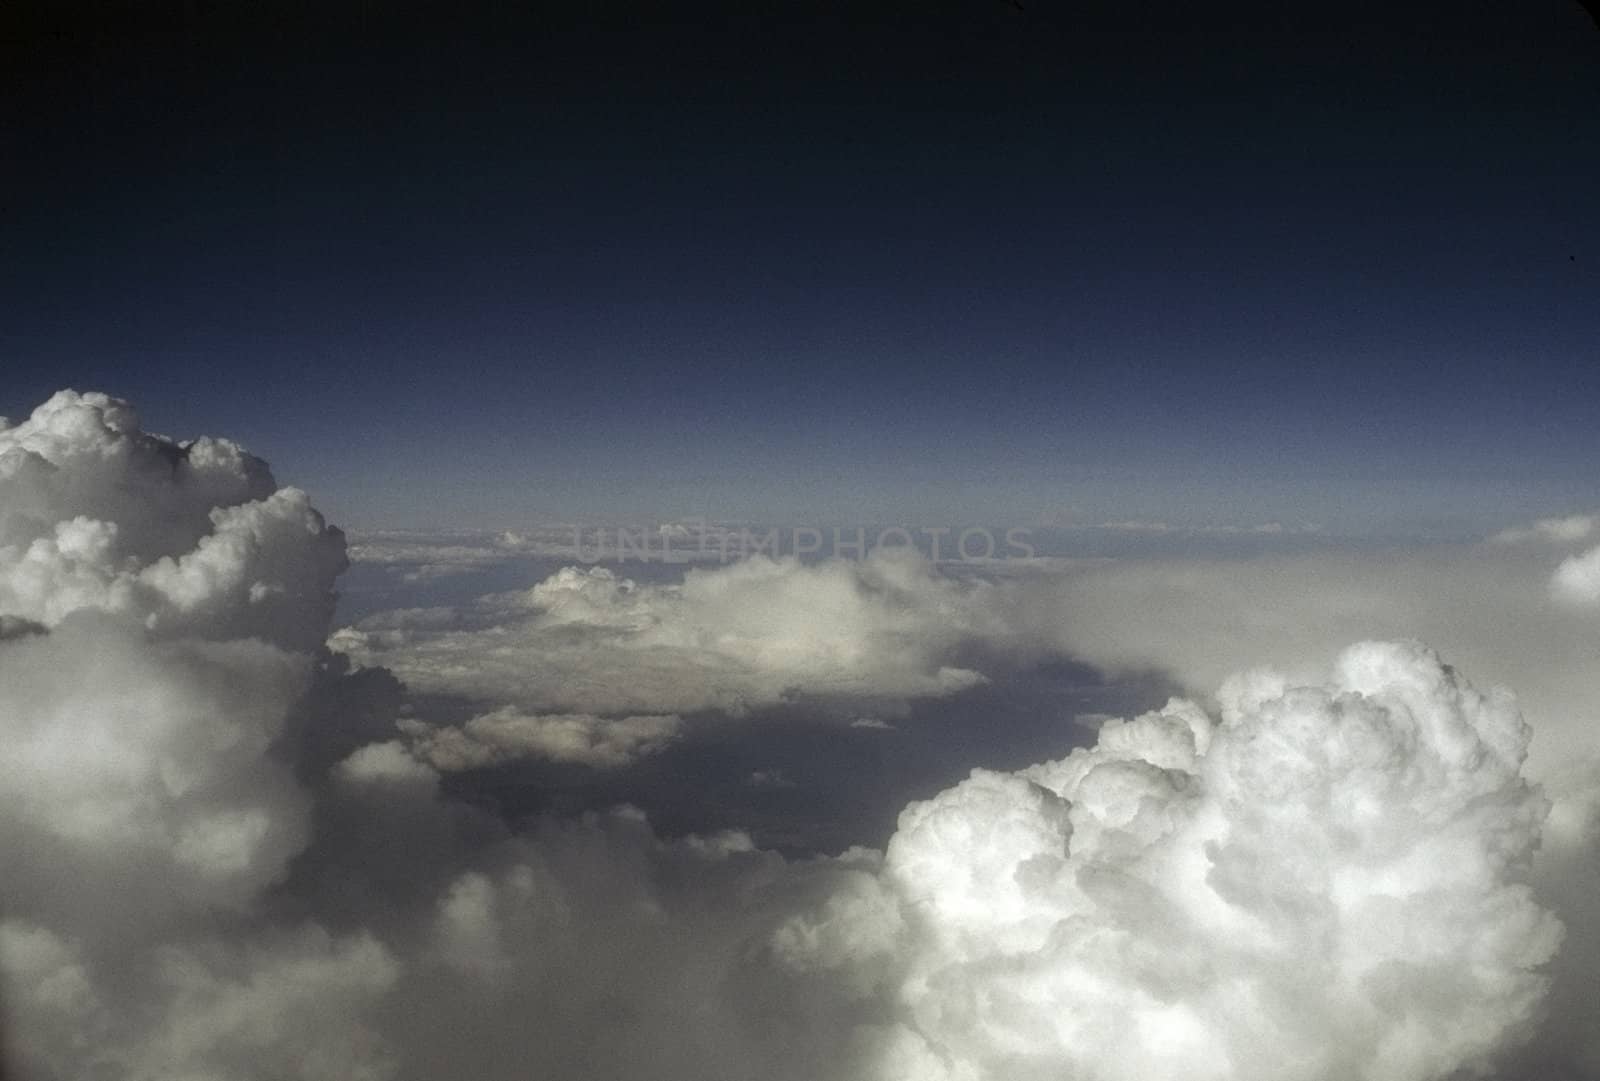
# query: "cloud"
[1268,529]
[387,762]
[417,556]
[426,556]
[1322,883]
[213,867]
[1565,530]
[1577,580]
[157,596]
[751,634]
[507,735]
[159,604]
[593,948]
[1485,605]
[190,538]
[296,1005]
[230,855]
[139,767]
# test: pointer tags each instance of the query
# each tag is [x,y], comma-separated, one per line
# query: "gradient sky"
[936,262]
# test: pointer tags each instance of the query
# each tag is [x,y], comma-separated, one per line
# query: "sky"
[923,262]
[1111,587]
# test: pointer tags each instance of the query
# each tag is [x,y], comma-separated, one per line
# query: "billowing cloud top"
[188,538]
[1319,885]
[158,605]
[174,589]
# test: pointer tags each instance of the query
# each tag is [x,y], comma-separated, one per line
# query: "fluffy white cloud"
[139,767]
[156,594]
[158,602]
[189,538]
[1487,606]
[749,634]
[1322,884]
[1577,579]
[84,455]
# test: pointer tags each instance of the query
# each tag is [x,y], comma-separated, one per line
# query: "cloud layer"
[591,666]
[231,855]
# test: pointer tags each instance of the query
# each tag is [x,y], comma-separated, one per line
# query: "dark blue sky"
[874,262]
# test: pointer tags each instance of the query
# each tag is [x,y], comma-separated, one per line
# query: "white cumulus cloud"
[1321,884]
[1577,580]
[159,603]
[749,634]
